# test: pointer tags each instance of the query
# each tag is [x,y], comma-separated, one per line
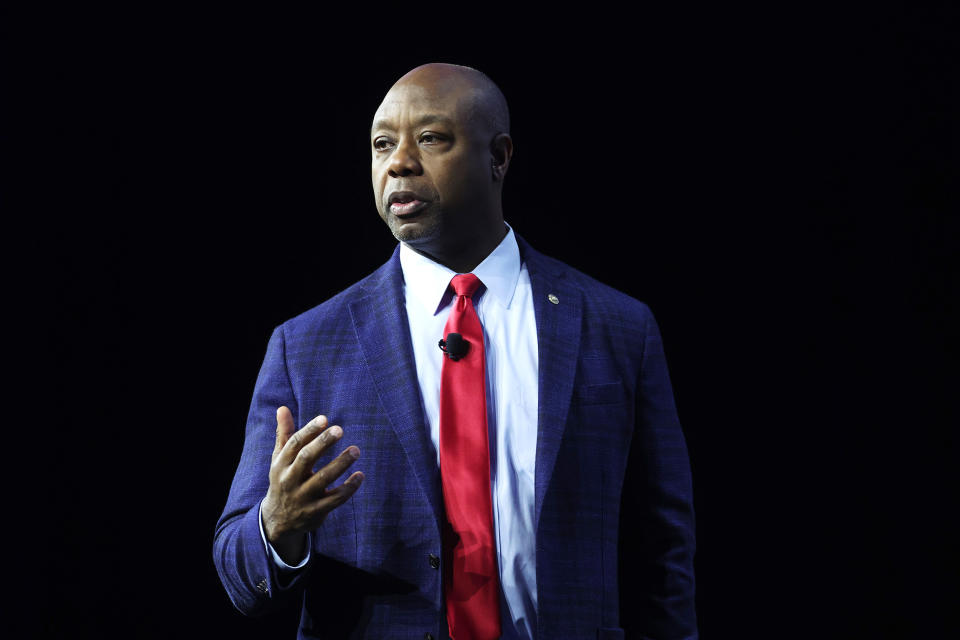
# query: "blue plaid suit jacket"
[605,397]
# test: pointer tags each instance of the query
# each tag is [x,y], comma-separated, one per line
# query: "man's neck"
[465,259]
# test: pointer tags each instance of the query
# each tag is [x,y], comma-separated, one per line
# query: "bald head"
[483,102]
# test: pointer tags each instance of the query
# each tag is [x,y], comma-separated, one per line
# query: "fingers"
[319,481]
[338,495]
[328,500]
[307,456]
[299,439]
[299,451]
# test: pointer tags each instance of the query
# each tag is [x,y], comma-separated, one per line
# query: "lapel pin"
[554,299]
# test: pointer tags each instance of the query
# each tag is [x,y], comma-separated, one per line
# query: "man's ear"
[501,150]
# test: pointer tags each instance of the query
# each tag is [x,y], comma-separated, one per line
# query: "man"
[575,384]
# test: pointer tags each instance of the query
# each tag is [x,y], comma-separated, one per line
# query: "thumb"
[285,428]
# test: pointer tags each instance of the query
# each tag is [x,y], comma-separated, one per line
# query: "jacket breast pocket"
[606,393]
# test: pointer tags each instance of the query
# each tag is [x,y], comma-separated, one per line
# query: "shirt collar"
[426,281]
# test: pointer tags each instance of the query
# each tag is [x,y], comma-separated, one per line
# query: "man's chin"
[413,232]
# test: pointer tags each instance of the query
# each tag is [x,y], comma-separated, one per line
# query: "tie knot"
[465,284]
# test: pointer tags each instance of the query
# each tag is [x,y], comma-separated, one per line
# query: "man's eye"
[431,138]
[382,143]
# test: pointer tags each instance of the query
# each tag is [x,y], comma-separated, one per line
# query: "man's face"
[431,166]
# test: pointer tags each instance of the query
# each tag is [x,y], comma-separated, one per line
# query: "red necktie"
[471,578]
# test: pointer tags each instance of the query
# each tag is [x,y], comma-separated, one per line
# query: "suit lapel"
[558,346]
[383,333]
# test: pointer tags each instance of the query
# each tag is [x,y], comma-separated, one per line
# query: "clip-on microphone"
[454,346]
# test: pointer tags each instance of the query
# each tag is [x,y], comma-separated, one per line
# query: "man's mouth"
[402,209]
[405,204]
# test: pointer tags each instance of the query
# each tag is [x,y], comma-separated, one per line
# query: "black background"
[774,182]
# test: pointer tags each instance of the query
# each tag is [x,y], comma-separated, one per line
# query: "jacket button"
[428,636]
[435,563]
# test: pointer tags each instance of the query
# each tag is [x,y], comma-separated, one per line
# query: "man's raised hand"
[298,499]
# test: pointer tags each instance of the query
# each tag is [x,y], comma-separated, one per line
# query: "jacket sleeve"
[245,567]
[662,541]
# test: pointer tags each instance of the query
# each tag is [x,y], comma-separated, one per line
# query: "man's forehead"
[413,99]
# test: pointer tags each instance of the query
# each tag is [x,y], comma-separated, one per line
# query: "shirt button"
[435,563]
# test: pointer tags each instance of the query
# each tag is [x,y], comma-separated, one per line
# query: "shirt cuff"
[277,560]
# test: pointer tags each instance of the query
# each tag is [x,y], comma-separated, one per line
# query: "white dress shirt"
[505,308]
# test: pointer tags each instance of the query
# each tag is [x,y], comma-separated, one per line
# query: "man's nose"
[405,160]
